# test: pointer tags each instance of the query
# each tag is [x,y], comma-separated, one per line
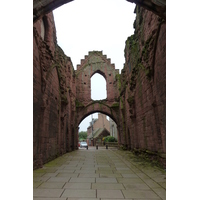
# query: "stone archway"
[98,106]
[42,7]
[96,62]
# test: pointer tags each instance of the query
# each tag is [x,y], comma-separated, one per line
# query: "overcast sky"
[100,25]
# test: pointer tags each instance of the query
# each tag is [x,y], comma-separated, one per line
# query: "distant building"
[101,128]
[97,136]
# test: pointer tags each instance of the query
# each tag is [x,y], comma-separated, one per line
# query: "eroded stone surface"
[136,98]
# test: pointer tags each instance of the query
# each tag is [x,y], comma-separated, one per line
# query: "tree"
[82,135]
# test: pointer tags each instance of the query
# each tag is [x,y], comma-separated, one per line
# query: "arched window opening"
[98,87]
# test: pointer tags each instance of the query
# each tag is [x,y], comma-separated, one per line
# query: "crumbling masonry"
[136,98]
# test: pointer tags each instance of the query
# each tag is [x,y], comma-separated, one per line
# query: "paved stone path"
[101,174]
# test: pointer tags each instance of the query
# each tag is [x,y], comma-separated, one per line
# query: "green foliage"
[109,139]
[82,135]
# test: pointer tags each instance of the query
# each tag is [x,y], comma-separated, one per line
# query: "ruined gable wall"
[93,63]
[143,86]
[53,95]
[96,62]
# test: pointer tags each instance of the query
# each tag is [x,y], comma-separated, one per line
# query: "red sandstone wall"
[143,85]
[53,96]
[93,63]
[136,99]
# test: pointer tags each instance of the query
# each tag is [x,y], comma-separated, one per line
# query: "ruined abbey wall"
[143,86]
[136,98]
[93,63]
[96,62]
[53,95]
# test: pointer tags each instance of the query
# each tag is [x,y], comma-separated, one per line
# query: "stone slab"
[79,193]
[152,184]
[123,171]
[106,180]
[37,183]
[142,175]
[136,186]
[38,174]
[107,168]
[58,179]
[109,194]
[160,192]
[65,171]
[66,167]
[50,174]
[84,175]
[107,186]
[129,180]
[38,178]
[139,194]
[129,175]
[82,180]
[53,185]
[104,171]
[102,165]
[47,192]
[162,184]
[45,170]
[89,167]
[77,186]
[88,171]
[67,175]
[110,175]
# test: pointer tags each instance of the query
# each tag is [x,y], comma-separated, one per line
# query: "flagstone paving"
[102,174]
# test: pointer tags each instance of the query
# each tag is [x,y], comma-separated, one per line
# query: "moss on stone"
[140,90]
[131,100]
[100,105]
[118,78]
[121,103]
[114,105]
[78,104]
[146,48]
[64,99]
[147,71]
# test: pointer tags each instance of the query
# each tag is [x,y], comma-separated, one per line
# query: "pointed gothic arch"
[98,86]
